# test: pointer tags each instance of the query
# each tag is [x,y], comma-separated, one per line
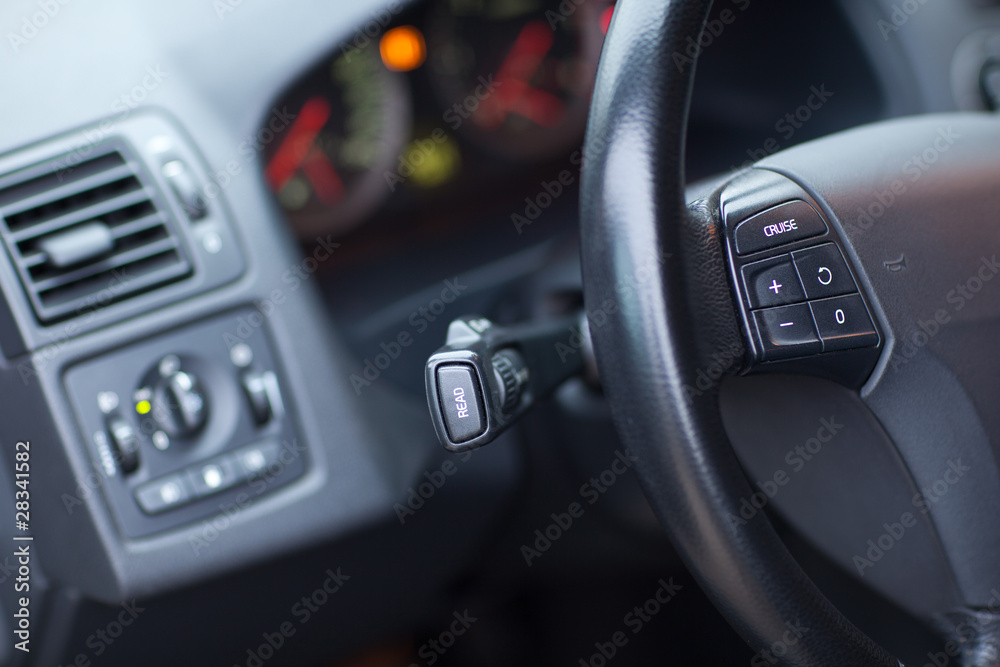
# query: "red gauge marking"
[606,18]
[514,92]
[297,143]
[540,106]
[323,177]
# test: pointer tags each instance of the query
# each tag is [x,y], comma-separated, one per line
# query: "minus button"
[786,331]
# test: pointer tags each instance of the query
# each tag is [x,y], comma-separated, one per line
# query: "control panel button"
[179,405]
[185,188]
[823,271]
[461,405]
[254,459]
[256,391]
[125,441]
[844,323]
[772,282]
[264,396]
[786,331]
[214,476]
[163,494]
[161,441]
[785,223]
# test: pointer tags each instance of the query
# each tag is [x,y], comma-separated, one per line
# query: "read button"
[785,223]
[461,405]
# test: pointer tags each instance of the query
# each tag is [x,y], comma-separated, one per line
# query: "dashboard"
[303,195]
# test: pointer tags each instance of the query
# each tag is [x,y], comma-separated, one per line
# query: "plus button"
[776,286]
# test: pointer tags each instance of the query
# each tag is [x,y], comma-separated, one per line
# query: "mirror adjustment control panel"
[183,426]
[796,290]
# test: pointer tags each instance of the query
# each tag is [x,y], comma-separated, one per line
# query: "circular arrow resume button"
[823,271]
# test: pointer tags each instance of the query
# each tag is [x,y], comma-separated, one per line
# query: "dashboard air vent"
[85,237]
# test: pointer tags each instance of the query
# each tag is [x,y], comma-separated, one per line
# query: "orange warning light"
[403,48]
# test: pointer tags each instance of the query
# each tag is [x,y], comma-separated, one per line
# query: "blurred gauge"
[351,122]
[515,76]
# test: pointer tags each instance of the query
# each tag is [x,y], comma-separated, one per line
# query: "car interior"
[395,333]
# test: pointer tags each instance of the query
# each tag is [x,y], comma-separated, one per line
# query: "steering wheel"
[912,204]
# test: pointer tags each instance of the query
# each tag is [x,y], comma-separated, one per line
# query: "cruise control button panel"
[817,320]
[798,295]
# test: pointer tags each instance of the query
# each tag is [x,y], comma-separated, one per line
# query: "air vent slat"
[128,243]
[140,225]
[30,182]
[31,260]
[77,301]
[115,262]
[82,215]
[69,189]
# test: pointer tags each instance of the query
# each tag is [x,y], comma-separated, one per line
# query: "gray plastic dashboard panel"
[220,75]
[149,141]
[349,479]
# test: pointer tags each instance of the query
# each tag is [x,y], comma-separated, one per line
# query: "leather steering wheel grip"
[661,264]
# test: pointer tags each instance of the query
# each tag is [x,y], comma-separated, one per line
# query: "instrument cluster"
[425,104]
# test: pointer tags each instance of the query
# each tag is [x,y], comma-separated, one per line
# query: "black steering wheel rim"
[660,264]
